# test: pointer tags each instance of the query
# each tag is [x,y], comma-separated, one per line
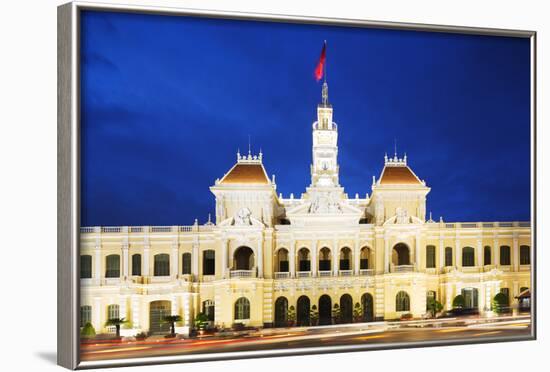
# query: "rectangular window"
[524,255]
[364,264]
[113,312]
[305,265]
[324,265]
[85,315]
[430,257]
[85,266]
[113,266]
[161,265]
[136,264]
[505,255]
[448,256]
[209,263]
[344,265]
[186,263]
[506,292]
[283,266]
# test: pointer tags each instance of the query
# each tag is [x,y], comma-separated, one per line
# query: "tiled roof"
[243,173]
[398,175]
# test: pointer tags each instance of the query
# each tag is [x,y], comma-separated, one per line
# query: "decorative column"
[386,255]
[98,264]
[335,257]
[174,264]
[146,254]
[479,253]
[195,260]
[125,270]
[313,258]
[260,257]
[224,258]
[292,259]
[441,254]
[515,253]
[96,317]
[456,252]
[136,322]
[496,253]
[356,257]
[417,252]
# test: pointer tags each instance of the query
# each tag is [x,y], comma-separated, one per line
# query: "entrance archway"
[400,255]
[157,311]
[470,298]
[368,307]
[281,312]
[346,309]
[243,258]
[325,310]
[302,313]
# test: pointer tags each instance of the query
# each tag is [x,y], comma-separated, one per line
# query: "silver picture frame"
[68,178]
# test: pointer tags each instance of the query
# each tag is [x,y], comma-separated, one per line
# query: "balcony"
[345,272]
[282,275]
[487,268]
[470,269]
[402,268]
[242,274]
[366,272]
[525,267]
[208,278]
[325,273]
[303,274]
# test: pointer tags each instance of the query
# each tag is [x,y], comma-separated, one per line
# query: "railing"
[366,272]
[145,229]
[282,275]
[113,229]
[303,274]
[325,273]
[242,273]
[136,229]
[488,267]
[402,268]
[161,229]
[525,267]
[346,272]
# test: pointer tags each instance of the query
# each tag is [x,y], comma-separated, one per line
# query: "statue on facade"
[242,218]
[402,216]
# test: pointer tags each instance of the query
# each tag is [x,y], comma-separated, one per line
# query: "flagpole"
[325,74]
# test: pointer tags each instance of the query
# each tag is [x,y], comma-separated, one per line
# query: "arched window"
[162,264]
[282,260]
[324,259]
[504,255]
[468,257]
[208,309]
[242,309]
[85,315]
[402,301]
[364,259]
[486,255]
[345,259]
[243,258]
[400,255]
[448,256]
[186,263]
[136,264]
[430,256]
[304,263]
[85,266]
[281,312]
[113,266]
[524,255]
[113,312]
[430,296]
[209,262]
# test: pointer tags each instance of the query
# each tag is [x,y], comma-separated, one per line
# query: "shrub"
[314,315]
[201,320]
[434,306]
[500,303]
[141,336]
[87,331]
[336,314]
[291,316]
[406,316]
[459,302]
[357,312]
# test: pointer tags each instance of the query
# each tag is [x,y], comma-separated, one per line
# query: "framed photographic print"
[235,185]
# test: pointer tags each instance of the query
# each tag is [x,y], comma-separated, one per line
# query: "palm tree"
[116,322]
[172,319]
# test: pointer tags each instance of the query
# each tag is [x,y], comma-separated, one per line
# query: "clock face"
[324,139]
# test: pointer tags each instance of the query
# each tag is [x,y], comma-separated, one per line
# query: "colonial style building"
[265,253]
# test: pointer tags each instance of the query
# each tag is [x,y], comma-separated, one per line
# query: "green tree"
[314,315]
[172,319]
[291,316]
[116,322]
[201,320]
[358,312]
[434,306]
[500,303]
[459,302]
[336,314]
[87,331]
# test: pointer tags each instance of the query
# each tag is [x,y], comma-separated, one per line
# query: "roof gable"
[246,173]
[398,175]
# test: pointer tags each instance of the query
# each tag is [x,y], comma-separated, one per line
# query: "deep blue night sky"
[166,101]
